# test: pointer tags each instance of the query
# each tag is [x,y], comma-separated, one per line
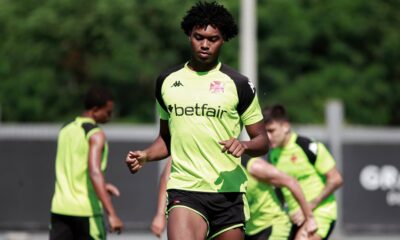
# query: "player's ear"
[286,127]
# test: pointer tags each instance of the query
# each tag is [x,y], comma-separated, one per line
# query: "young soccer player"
[203,105]
[310,163]
[81,191]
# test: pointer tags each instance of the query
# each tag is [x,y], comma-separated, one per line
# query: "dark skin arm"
[257,146]
[96,145]
[333,181]
[159,221]
[158,150]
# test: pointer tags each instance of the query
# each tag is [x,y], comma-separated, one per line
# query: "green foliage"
[313,51]
[309,51]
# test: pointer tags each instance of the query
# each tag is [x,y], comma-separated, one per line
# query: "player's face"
[277,133]
[103,114]
[206,43]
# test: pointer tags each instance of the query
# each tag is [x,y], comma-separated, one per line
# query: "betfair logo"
[197,110]
[177,84]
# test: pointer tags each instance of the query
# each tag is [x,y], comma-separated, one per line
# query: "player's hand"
[233,147]
[310,226]
[112,190]
[307,230]
[115,224]
[301,234]
[158,225]
[135,160]
[297,218]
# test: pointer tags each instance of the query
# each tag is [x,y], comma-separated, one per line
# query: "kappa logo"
[177,84]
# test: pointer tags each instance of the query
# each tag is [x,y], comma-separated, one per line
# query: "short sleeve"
[253,113]
[248,107]
[90,129]
[325,161]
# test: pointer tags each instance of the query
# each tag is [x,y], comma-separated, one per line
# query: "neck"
[287,139]
[202,66]
[87,114]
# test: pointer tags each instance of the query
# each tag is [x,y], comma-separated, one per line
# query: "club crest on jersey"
[293,158]
[217,87]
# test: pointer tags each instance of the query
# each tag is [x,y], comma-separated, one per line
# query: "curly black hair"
[97,96]
[210,13]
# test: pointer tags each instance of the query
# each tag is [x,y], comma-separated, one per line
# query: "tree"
[316,50]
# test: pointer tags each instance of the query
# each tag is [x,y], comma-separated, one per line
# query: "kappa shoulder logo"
[177,84]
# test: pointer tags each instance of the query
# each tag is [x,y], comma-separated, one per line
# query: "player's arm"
[158,224]
[267,173]
[256,146]
[158,150]
[333,181]
[96,145]
[259,142]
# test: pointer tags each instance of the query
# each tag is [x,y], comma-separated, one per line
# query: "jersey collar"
[215,69]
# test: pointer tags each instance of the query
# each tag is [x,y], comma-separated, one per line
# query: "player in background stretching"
[268,220]
[81,191]
[311,164]
[203,105]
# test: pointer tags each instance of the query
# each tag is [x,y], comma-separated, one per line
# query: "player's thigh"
[60,228]
[232,234]
[185,223]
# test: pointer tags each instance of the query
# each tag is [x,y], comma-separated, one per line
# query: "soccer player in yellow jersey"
[311,164]
[203,106]
[81,191]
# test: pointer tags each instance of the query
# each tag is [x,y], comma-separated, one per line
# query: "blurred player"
[203,105]
[159,220]
[267,218]
[311,164]
[81,191]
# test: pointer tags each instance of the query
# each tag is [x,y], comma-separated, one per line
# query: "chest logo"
[217,87]
[177,84]
[293,158]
